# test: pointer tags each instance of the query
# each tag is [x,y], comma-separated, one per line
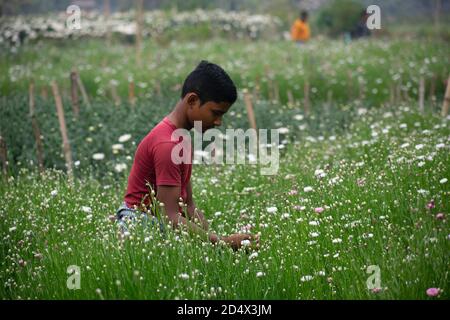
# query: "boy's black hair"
[303,15]
[211,83]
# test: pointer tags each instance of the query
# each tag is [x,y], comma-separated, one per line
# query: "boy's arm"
[169,195]
[191,209]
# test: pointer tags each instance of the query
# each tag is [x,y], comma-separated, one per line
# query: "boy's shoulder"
[161,133]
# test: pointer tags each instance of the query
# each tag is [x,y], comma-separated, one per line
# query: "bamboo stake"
[446,103]
[36,130]
[115,96]
[74,94]
[83,90]
[250,112]
[62,127]
[422,94]
[306,101]
[131,96]
[4,158]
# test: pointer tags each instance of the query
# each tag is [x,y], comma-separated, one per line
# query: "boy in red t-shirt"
[207,94]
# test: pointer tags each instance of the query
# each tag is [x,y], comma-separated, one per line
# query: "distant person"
[361,30]
[300,31]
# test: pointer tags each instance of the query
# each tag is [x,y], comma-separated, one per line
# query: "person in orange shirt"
[300,31]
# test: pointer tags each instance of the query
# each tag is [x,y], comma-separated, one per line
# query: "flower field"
[376,195]
[362,182]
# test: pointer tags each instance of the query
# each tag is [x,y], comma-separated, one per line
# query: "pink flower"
[319,210]
[430,205]
[433,292]
[440,216]
[376,290]
[293,192]
[361,182]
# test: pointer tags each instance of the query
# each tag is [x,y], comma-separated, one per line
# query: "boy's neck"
[178,116]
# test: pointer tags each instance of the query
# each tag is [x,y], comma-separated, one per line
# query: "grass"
[380,175]
[365,70]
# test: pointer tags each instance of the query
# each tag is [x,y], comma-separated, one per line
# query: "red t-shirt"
[153,163]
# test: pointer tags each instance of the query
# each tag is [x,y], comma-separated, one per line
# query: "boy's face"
[210,113]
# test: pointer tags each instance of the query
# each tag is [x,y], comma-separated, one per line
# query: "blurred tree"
[339,16]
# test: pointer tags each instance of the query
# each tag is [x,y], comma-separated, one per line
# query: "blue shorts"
[126,215]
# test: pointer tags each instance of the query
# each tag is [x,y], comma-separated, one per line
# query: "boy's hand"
[239,240]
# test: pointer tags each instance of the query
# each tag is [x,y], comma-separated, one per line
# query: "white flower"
[98,156]
[218,214]
[308,189]
[253,256]
[272,209]
[306,278]
[405,145]
[298,117]
[367,236]
[442,181]
[314,234]
[120,167]
[422,191]
[54,193]
[12,229]
[283,130]
[245,243]
[285,215]
[337,240]
[320,273]
[117,147]
[89,217]
[260,274]
[77,163]
[419,146]
[320,173]
[314,223]
[214,180]
[421,164]
[86,209]
[125,137]
[184,276]
[440,146]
